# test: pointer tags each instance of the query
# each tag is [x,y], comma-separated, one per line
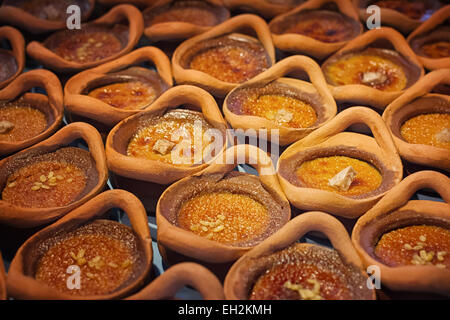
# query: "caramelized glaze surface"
[415,245]
[437,50]
[224,217]
[424,128]
[27,122]
[316,174]
[415,9]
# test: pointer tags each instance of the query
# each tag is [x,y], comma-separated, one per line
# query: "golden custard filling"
[367,69]
[19,122]
[44,184]
[285,111]
[105,264]
[415,245]
[436,50]
[224,217]
[88,47]
[232,61]
[178,137]
[430,129]
[319,173]
[295,279]
[130,95]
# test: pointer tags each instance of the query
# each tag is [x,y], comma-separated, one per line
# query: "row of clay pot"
[394,208]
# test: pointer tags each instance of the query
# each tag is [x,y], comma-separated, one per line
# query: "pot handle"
[351,116]
[133,17]
[153,54]
[402,192]
[36,78]
[17,42]
[183,274]
[292,231]
[249,154]
[298,63]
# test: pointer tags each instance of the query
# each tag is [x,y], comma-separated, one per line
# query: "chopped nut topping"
[284,115]
[6,126]
[219,228]
[163,146]
[69,180]
[35,188]
[343,179]
[126,263]
[12,184]
[373,78]
[96,263]
[306,294]
[423,238]
[113,265]
[444,135]
[43,178]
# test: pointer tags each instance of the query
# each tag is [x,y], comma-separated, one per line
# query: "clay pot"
[267,8]
[51,104]
[21,278]
[128,36]
[138,3]
[150,177]
[271,81]
[179,30]
[177,244]
[334,10]
[394,18]
[183,274]
[330,140]
[12,13]
[417,100]
[96,172]
[13,60]
[378,40]
[242,276]
[434,29]
[184,75]
[395,210]
[123,69]
[2,280]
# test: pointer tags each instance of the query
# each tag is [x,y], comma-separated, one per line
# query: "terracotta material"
[17,42]
[303,44]
[315,92]
[21,281]
[14,15]
[376,38]
[214,86]
[173,279]
[427,32]
[241,277]
[51,104]
[79,103]
[2,279]
[176,243]
[420,99]
[180,30]
[29,217]
[43,53]
[393,18]
[267,8]
[329,140]
[139,3]
[396,210]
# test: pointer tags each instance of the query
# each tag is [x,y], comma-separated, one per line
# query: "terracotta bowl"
[335,14]
[13,60]
[127,37]
[139,3]
[51,105]
[124,69]
[176,243]
[377,41]
[148,178]
[271,81]
[93,163]
[433,30]
[417,100]
[189,48]
[330,140]
[184,19]
[396,211]
[3,295]
[241,278]
[35,20]
[183,274]
[395,18]
[267,8]
[22,282]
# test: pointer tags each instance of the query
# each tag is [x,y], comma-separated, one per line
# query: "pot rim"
[15,38]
